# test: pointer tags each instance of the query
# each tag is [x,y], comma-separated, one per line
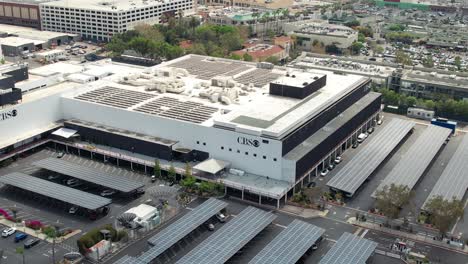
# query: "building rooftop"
[17,41]
[321,27]
[30,2]
[218,92]
[108,5]
[31,33]
[260,51]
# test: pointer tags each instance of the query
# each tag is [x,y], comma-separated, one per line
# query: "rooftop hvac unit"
[265,65]
[237,172]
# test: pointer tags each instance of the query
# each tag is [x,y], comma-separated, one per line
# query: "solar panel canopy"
[361,166]
[419,156]
[87,174]
[55,191]
[181,228]
[128,260]
[453,182]
[290,245]
[235,234]
[116,97]
[349,249]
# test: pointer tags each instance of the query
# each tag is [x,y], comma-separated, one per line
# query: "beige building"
[308,31]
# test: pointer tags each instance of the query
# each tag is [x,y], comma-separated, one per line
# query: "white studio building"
[258,129]
[100,20]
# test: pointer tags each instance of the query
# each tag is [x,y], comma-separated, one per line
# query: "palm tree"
[256,15]
[265,18]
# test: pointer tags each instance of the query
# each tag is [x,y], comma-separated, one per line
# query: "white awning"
[212,166]
[64,132]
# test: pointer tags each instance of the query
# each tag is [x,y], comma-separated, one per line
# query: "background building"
[21,12]
[100,20]
[310,32]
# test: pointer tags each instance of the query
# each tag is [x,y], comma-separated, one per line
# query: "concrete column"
[66,148]
[131,165]
[316,171]
[145,168]
[242,193]
[117,162]
[225,189]
[259,199]
[302,183]
[91,154]
[286,198]
[309,177]
[79,154]
[277,203]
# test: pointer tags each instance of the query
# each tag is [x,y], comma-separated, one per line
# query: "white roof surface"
[99,5]
[64,132]
[212,166]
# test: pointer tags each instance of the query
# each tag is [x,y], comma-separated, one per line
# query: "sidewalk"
[303,212]
[414,237]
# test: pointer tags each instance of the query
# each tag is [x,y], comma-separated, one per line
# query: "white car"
[380,121]
[106,193]
[8,231]
[337,160]
[73,210]
[72,181]
[324,172]
[221,217]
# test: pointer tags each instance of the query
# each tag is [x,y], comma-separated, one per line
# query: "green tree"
[235,57]
[149,32]
[361,38]
[231,41]
[458,62]
[188,170]
[428,62]
[379,49]
[443,213]
[20,251]
[188,182]
[390,97]
[247,57]
[171,174]
[353,23]
[315,42]
[272,59]
[356,47]
[390,199]
[157,169]
[397,27]
[366,31]
[411,101]
[142,45]
[402,57]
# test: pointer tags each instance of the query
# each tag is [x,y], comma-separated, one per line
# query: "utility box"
[444,122]
[420,113]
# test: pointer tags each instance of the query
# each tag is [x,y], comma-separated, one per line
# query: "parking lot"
[33,209]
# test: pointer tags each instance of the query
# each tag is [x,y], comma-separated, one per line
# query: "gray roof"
[454,181]
[55,191]
[235,234]
[361,166]
[331,127]
[87,174]
[349,249]
[290,245]
[181,228]
[415,161]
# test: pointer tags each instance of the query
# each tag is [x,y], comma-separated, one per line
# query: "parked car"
[8,231]
[331,166]
[311,184]
[72,181]
[31,243]
[337,160]
[20,236]
[53,177]
[370,130]
[73,210]
[324,172]
[60,155]
[355,145]
[107,193]
[361,137]
[153,178]
[380,121]
[221,217]
[210,227]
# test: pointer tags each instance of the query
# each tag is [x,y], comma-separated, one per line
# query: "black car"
[31,242]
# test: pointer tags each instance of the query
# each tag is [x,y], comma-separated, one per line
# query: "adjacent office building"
[100,20]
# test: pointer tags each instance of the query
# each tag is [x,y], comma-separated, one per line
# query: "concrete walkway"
[303,212]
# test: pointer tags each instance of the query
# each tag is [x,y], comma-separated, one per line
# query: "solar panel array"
[415,161]
[207,69]
[361,166]
[259,77]
[128,260]
[290,245]
[349,249]
[116,97]
[55,191]
[87,174]
[454,181]
[181,228]
[181,110]
[223,244]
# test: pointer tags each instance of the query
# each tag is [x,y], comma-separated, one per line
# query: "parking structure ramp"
[234,235]
[368,159]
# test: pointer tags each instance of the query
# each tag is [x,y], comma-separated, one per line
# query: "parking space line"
[113,169]
[126,172]
[102,167]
